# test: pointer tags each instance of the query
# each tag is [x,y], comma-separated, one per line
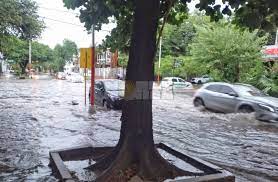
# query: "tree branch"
[165,18]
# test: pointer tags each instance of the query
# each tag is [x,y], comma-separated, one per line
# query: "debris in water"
[74,102]
[34,119]
[5,168]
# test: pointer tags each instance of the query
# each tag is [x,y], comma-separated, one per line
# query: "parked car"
[229,98]
[76,78]
[201,80]
[61,76]
[109,93]
[175,83]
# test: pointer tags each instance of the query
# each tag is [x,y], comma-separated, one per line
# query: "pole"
[85,75]
[30,52]
[276,39]
[92,99]
[159,59]
[104,65]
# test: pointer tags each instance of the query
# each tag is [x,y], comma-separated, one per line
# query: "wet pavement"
[37,116]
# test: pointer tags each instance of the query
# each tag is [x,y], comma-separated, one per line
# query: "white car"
[76,78]
[201,80]
[61,75]
[175,83]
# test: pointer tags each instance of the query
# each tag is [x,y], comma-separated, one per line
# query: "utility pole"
[92,99]
[30,52]
[104,66]
[159,59]
[30,57]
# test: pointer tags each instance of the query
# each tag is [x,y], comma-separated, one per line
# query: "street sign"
[85,57]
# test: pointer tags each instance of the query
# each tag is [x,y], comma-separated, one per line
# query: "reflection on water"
[38,115]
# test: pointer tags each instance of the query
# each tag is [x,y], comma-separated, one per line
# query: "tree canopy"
[43,57]
[227,50]
[139,21]
[20,18]
[18,52]
[253,14]
[177,38]
[64,54]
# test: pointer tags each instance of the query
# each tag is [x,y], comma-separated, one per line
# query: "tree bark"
[135,152]
[23,65]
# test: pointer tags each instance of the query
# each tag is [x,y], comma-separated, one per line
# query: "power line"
[62,11]
[70,23]
[62,21]
[53,9]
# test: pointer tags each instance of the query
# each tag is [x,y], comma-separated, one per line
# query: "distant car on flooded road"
[61,76]
[201,80]
[109,93]
[76,78]
[230,98]
[175,83]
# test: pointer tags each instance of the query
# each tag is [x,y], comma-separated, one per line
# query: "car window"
[248,90]
[226,89]
[214,88]
[181,80]
[114,85]
[98,85]
[174,80]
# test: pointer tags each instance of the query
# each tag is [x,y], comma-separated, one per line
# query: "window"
[114,85]
[214,88]
[174,80]
[98,85]
[247,90]
[181,80]
[226,89]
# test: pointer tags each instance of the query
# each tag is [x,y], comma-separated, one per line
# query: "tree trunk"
[135,152]
[23,65]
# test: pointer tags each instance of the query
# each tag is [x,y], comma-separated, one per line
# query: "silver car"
[230,98]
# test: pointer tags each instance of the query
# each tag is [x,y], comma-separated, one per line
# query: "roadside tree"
[70,50]
[228,50]
[18,18]
[18,51]
[136,149]
[64,54]
[176,38]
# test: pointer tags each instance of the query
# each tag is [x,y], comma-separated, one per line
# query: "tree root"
[103,162]
[156,168]
[150,167]
[116,172]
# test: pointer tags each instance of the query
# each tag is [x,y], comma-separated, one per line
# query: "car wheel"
[198,102]
[199,82]
[245,109]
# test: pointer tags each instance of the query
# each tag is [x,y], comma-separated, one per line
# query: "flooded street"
[37,116]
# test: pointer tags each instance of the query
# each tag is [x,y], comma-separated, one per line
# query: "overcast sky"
[54,14]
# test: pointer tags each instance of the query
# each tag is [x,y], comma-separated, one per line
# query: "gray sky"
[55,13]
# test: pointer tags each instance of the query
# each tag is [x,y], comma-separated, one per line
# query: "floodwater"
[37,116]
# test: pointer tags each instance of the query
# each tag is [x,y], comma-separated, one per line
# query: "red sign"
[271,50]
